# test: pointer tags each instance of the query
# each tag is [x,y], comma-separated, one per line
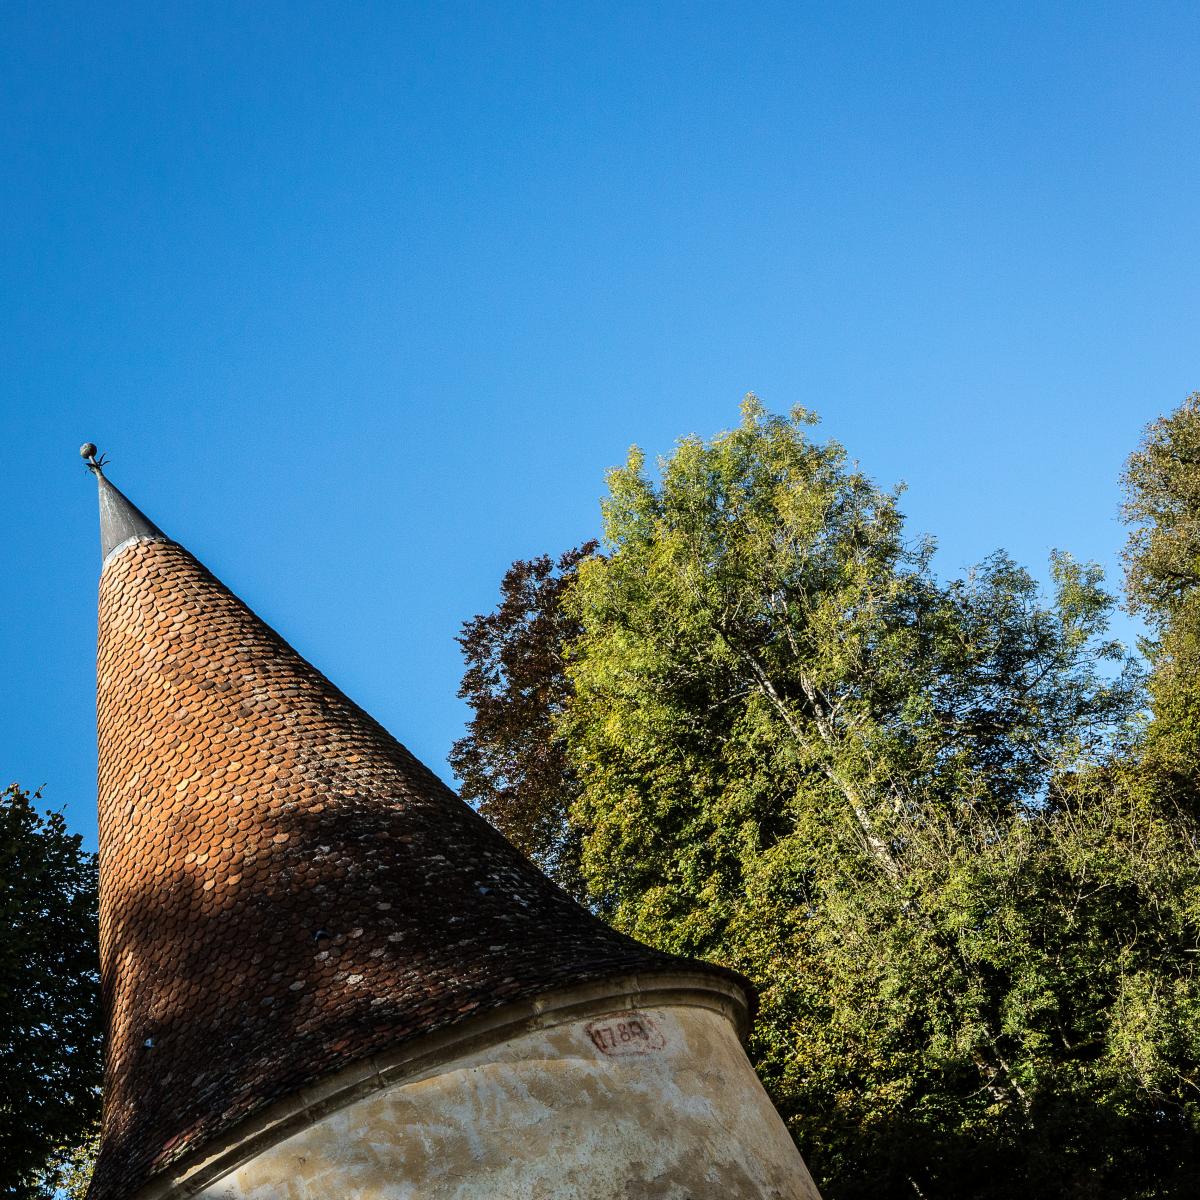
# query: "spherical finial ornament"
[87,450]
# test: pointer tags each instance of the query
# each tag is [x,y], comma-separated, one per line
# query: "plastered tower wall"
[290,900]
[657,1102]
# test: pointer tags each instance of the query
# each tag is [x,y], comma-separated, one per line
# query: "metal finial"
[88,452]
[120,521]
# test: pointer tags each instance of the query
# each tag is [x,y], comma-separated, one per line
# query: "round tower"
[326,976]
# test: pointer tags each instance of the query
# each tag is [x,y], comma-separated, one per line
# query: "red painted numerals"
[625,1033]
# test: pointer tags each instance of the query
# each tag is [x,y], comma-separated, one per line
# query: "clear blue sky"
[363,299]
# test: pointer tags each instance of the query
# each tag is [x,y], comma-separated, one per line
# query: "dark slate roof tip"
[121,521]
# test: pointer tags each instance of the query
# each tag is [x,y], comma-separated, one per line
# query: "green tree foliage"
[917,814]
[1162,503]
[49,1006]
[68,1173]
[802,756]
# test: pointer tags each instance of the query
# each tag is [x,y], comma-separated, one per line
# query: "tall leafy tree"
[1162,504]
[1133,839]
[50,1027]
[802,755]
[915,813]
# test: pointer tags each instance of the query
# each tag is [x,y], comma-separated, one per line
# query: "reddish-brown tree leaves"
[511,765]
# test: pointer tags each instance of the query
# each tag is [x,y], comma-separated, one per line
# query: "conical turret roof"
[285,889]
